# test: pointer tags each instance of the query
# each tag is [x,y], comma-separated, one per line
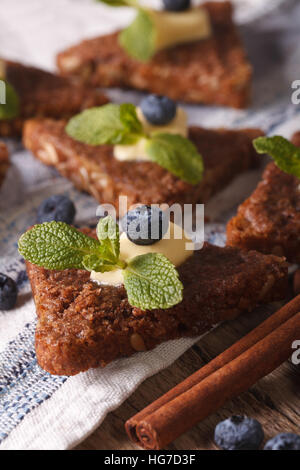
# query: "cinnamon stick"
[296,282]
[233,371]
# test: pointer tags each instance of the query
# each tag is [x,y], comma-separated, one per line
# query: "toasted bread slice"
[4,162]
[45,94]
[269,220]
[226,153]
[212,71]
[83,325]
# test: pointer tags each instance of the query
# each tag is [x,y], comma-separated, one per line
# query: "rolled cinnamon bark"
[296,282]
[183,406]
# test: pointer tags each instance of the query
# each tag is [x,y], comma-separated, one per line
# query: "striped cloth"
[40,411]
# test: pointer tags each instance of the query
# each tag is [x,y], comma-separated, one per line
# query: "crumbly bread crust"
[212,71]
[4,161]
[226,153]
[269,220]
[83,325]
[43,94]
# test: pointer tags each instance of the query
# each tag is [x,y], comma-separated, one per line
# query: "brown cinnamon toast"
[213,71]
[226,153]
[83,325]
[4,162]
[269,220]
[44,94]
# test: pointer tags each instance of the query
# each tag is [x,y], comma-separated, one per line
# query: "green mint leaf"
[151,282]
[130,120]
[285,154]
[56,245]
[120,3]
[109,124]
[109,237]
[94,263]
[176,154]
[11,108]
[138,39]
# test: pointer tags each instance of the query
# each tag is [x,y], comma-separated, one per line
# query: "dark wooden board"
[274,400]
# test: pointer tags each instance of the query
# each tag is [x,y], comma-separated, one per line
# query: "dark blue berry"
[22,278]
[145,225]
[177,5]
[8,292]
[239,433]
[158,110]
[284,441]
[57,207]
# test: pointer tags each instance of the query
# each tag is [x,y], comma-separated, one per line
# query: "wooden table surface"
[274,400]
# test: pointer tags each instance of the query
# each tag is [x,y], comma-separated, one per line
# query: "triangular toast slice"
[212,71]
[269,220]
[4,162]
[226,153]
[44,94]
[83,325]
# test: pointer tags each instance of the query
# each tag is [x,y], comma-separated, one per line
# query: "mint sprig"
[109,124]
[138,39]
[285,154]
[56,245]
[132,124]
[109,235]
[114,124]
[11,108]
[151,280]
[119,3]
[176,154]
[93,262]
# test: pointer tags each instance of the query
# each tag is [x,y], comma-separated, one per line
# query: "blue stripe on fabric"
[23,384]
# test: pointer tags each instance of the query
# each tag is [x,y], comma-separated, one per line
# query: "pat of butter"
[137,151]
[173,246]
[178,28]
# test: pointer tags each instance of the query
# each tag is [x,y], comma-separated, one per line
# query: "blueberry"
[158,110]
[284,441]
[239,433]
[8,292]
[57,207]
[145,225]
[22,278]
[177,5]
